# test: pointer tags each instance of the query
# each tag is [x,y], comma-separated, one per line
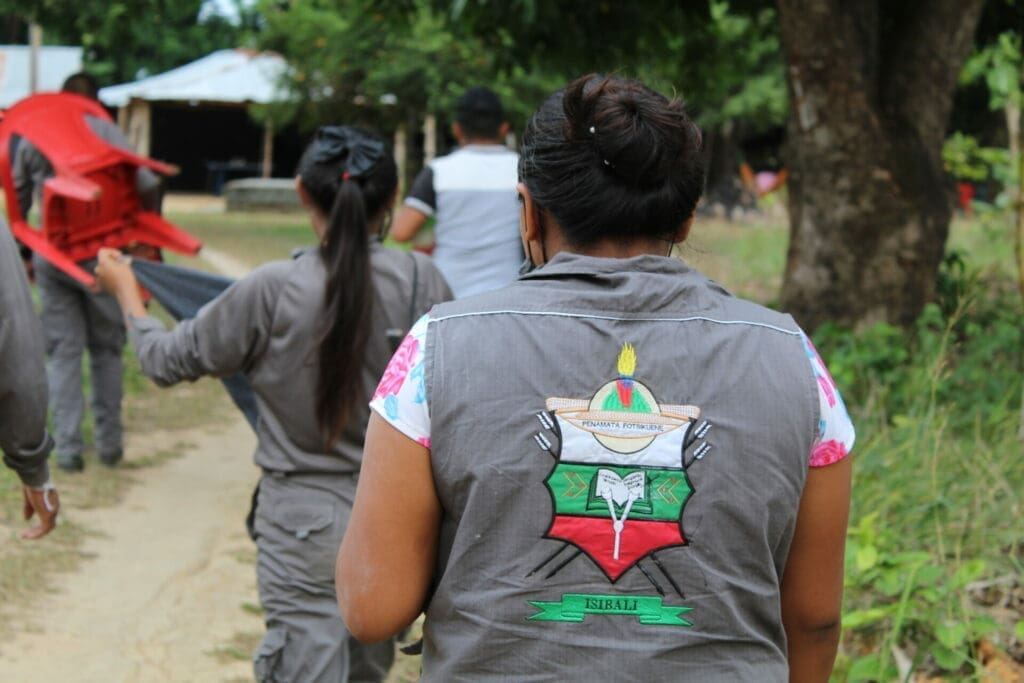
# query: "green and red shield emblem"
[619,485]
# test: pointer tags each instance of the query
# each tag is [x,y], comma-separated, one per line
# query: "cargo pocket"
[305,535]
[266,663]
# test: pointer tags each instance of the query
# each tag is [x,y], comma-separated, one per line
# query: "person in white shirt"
[471,193]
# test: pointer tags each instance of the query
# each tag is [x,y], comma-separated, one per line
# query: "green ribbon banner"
[575,606]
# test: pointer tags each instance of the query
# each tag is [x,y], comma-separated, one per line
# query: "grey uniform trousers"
[75,319]
[300,520]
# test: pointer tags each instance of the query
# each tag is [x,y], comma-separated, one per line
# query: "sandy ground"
[169,570]
[193,203]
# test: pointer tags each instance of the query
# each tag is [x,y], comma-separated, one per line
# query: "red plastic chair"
[90,201]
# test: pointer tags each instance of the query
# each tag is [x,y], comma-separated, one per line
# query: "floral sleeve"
[401,396]
[835,430]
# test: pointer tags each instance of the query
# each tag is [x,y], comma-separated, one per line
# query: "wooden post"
[401,154]
[139,125]
[268,148]
[35,42]
[429,137]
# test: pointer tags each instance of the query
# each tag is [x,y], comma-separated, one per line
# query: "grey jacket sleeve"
[29,168]
[23,394]
[227,336]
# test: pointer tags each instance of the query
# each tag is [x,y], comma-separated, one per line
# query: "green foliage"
[1001,65]
[938,476]
[356,62]
[743,78]
[965,159]
[124,39]
[723,57]
[971,329]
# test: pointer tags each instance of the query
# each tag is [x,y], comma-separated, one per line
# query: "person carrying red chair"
[75,315]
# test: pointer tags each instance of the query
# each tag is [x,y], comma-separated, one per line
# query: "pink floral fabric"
[401,396]
[398,369]
[827,452]
[835,430]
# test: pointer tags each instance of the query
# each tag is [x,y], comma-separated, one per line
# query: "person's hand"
[114,270]
[43,503]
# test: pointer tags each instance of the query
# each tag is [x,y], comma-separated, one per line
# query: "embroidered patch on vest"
[618,488]
[576,606]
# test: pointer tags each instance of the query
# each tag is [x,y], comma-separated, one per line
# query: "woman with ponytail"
[313,336]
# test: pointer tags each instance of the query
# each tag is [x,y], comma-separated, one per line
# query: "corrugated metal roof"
[56,62]
[238,76]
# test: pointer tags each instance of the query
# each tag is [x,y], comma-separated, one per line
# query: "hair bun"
[636,140]
[612,159]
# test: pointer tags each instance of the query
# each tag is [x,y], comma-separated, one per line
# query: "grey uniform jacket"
[23,393]
[620,500]
[266,326]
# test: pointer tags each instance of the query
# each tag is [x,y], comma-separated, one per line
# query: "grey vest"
[619,447]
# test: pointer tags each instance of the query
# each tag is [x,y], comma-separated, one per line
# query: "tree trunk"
[871,87]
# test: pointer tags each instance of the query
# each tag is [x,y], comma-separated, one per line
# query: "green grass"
[986,240]
[747,258]
[935,557]
[238,649]
[252,238]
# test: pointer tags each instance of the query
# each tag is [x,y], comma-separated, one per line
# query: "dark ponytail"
[351,177]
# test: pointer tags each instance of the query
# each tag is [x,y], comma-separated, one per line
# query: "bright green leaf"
[863,617]
[951,635]
[969,571]
[867,557]
[983,626]
[947,658]
[866,668]
[929,574]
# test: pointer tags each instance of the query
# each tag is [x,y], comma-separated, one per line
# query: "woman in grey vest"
[313,336]
[613,469]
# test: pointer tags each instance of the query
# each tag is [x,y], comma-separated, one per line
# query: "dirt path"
[169,572]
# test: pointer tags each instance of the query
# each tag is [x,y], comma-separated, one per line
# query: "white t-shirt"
[472,194]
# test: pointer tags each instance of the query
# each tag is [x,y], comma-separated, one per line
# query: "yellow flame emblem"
[627,360]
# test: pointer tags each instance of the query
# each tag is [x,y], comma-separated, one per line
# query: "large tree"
[871,87]
[870,84]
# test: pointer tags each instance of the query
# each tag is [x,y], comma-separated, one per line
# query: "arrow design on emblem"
[666,490]
[577,485]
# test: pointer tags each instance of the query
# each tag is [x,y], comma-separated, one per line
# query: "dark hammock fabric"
[183,291]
